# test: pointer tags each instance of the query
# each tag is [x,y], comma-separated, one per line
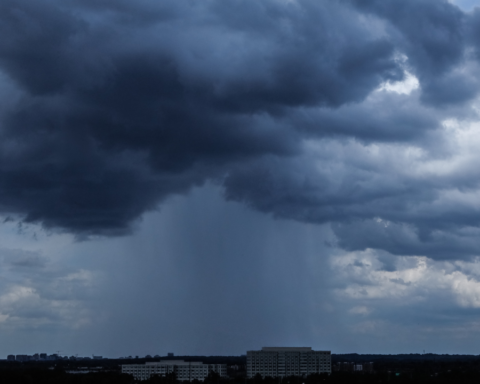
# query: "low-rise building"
[346,366]
[184,371]
[288,361]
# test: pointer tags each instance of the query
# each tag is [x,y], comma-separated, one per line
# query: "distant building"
[21,357]
[344,366]
[368,367]
[185,371]
[11,358]
[170,354]
[353,367]
[288,361]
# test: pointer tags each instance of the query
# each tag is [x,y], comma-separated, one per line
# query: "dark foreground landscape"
[413,368]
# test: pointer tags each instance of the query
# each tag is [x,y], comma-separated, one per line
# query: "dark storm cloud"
[112,107]
[404,239]
[375,198]
[383,118]
[121,106]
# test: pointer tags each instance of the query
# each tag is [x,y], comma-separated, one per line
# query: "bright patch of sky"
[466,5]
[409,84]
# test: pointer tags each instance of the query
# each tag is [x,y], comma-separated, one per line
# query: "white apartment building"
[288,361]
[185,371]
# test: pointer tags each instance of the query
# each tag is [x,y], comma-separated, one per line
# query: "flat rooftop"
[287,349]
[174,362]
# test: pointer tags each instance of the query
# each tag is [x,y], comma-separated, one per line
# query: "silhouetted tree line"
[387,370]
[453,377]
[402,358]
[429,366]
[55,376]
[115,363]
[60,377]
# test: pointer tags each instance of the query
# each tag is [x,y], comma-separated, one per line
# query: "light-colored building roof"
[287,349]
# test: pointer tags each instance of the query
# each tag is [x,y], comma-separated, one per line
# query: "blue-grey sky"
[207,177]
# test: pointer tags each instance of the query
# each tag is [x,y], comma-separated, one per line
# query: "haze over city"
[211,177]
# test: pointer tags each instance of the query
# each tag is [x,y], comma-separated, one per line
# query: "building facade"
[185,371]
[288,361]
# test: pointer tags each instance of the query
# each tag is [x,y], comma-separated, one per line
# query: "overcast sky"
[214,176]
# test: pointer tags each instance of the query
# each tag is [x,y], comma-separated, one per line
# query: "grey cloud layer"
[110,107]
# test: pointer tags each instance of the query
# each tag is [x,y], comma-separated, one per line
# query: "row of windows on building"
[184,371]
[278,362]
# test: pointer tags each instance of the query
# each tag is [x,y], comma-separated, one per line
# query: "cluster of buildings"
[268,362]
[45,357]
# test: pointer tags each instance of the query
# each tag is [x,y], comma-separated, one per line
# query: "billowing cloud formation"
[357,113]
[36,294]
